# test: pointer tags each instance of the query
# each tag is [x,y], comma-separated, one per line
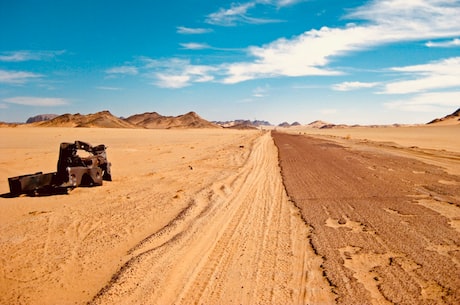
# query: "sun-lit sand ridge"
[191,216]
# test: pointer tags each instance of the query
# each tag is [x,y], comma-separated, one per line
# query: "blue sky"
[354,62]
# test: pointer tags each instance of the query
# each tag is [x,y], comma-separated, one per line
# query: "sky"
[351,62]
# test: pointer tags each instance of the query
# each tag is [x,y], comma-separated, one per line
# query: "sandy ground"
[192,217]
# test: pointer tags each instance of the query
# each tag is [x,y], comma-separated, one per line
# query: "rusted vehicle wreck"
[73,170]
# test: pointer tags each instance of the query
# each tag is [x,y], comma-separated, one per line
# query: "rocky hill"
[317,124]
[287,125]
[103,119]
[451,119]
[154,120]
[41,117]
[147,120]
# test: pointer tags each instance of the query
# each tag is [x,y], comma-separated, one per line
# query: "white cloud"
[427,102]
[387,22]
[3,106]
[348,86]
[192,31]
[238,13]
[230,16]
[126,70]
[172,81]
[307,54]
[195,46]
[17,77]
[444,44]
[36,101]
[25,55]
[176,73]
[281,3]
[434,75]
[415,18]
[311,53]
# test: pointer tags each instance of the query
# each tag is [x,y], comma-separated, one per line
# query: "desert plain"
[218,216]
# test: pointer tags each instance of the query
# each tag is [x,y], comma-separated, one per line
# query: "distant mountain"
[241,123]
[317,124]
[103,119]
[242,126]
[284,124]
[154,120]
[147,120]
[451,119]
[41,117]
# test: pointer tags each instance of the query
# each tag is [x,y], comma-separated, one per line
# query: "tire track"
[242,242]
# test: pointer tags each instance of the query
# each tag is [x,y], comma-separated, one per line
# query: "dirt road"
[239,241]
[387,227]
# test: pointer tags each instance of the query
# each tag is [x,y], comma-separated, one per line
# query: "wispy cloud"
[427,102]
[434,75]
[26,55]
[109,88]
[123,70]
[195,46]
[348,86]
[228,17]
[444,44]
[260,92]
[281,3]
[17,77]
[36,101]
[238,13]
[176,73]
[192,31]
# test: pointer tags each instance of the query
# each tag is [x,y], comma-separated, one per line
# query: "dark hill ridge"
[41,117]
[452,118]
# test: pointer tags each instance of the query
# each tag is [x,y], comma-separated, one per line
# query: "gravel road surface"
[387,227]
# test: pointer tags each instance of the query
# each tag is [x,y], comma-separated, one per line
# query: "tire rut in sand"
[240,241]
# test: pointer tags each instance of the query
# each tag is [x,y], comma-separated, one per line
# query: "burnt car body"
[73,170]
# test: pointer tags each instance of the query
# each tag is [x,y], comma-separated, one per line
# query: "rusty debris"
[72,171]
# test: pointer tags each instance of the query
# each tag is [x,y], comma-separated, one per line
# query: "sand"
[191,217]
